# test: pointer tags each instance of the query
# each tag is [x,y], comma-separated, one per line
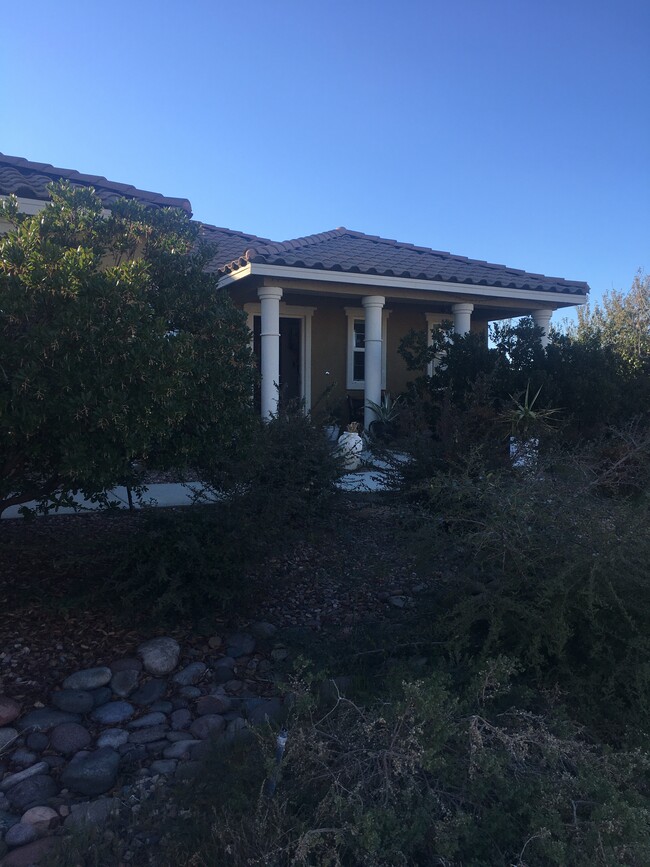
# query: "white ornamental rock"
[160,655]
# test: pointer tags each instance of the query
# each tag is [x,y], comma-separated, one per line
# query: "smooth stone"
[32,792]
[92,812]
[73,700]
[178,702]
[113,712]
[161,707]
[7,820]
[41,819]
[176,736]
[23,758]
[92,774]
[209,704]
[179,749]
[190,691]
[69,738]
[26,856]
[101,695]
[124,682]
[263,630]
[181,719]
[224,662]
[221,675]
[20,835]
[149,692]
[112,738]
[208,725]
[155,748]
[9,710]
[279,654]
[149,719]
[4,803]
[133,753]
[164,766]
[191,674]
[160,655]
[54,761]
[44,719]
[13,779]
[126,664]
[89,678]
[37,741]
[146,736]
[240,644]
[7,737]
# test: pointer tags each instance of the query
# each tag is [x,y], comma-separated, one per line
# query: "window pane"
[359,366]
[359,334]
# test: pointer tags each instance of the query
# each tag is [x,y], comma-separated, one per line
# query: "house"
[333,307]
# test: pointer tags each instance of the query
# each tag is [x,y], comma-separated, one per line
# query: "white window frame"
[357,314]
[289,311]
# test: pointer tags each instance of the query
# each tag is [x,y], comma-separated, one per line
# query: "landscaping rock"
[191,674]
[177,736]
[181,719]
[205,726]
[44,719]
[26,856]
[263,631]
[145,736]
[128,664]
[92,774]
[23,758]
[101,695]
[42,819]
[179,749]
[240,644]
[37,741]
[73,700]
[31,792]
[69,738]
[14,779]
[20,835]
[91,812]
[7,820]
[9,710]
[8,736]
[164,766]
[112,738]
[266,711]
[89,678]
[161,707]
[190,691]
[149,719]
[160,655]
[210,704]
[149,692]
[113,712]
[132,753]
[124,682]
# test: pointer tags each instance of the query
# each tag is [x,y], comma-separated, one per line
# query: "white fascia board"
[382,281]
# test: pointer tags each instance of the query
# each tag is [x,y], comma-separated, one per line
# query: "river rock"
[6,821]
[113,712]
[7,737]
[92,774]
[31,792]
[268,710]
[209,704]
[240,644]
[179,749]
[146,736]
[101,695]
[127,664]
[73,700]
[149,719]
[181,719]
[112,738]
[9,710]
[191,674]
[26,856]
[124,682]
[69,738]
[41,819]
[23,758]
[37,741]
[263,631]
[160,655]
[92,812]
[164,766]
[44,719]
[161,707]
[20,835]
[89,678]
[149,692]
[205,726]
[19,776]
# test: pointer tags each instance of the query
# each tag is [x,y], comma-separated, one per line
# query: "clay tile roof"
[356,253]
[231,245]
[30,180]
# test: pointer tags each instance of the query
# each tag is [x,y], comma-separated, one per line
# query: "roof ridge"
[235,232]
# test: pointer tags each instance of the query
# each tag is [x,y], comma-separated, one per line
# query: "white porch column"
[542,318]
[373,305]
[270,348]
[462,317]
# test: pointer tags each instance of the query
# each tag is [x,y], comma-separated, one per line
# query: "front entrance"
[290,357]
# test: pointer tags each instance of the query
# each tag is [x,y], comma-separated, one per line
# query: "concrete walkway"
[176,494]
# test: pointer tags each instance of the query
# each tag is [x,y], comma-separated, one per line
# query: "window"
[356,366]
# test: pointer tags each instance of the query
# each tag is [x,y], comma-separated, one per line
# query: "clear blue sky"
[516,131]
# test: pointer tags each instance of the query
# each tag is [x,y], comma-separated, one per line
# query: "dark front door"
[290,378]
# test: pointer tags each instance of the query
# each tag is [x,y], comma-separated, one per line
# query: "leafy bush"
[191,561]
[420,777]
[546,569]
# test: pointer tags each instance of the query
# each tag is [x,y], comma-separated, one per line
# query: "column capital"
[373,301]
[271,292]
[462,307]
